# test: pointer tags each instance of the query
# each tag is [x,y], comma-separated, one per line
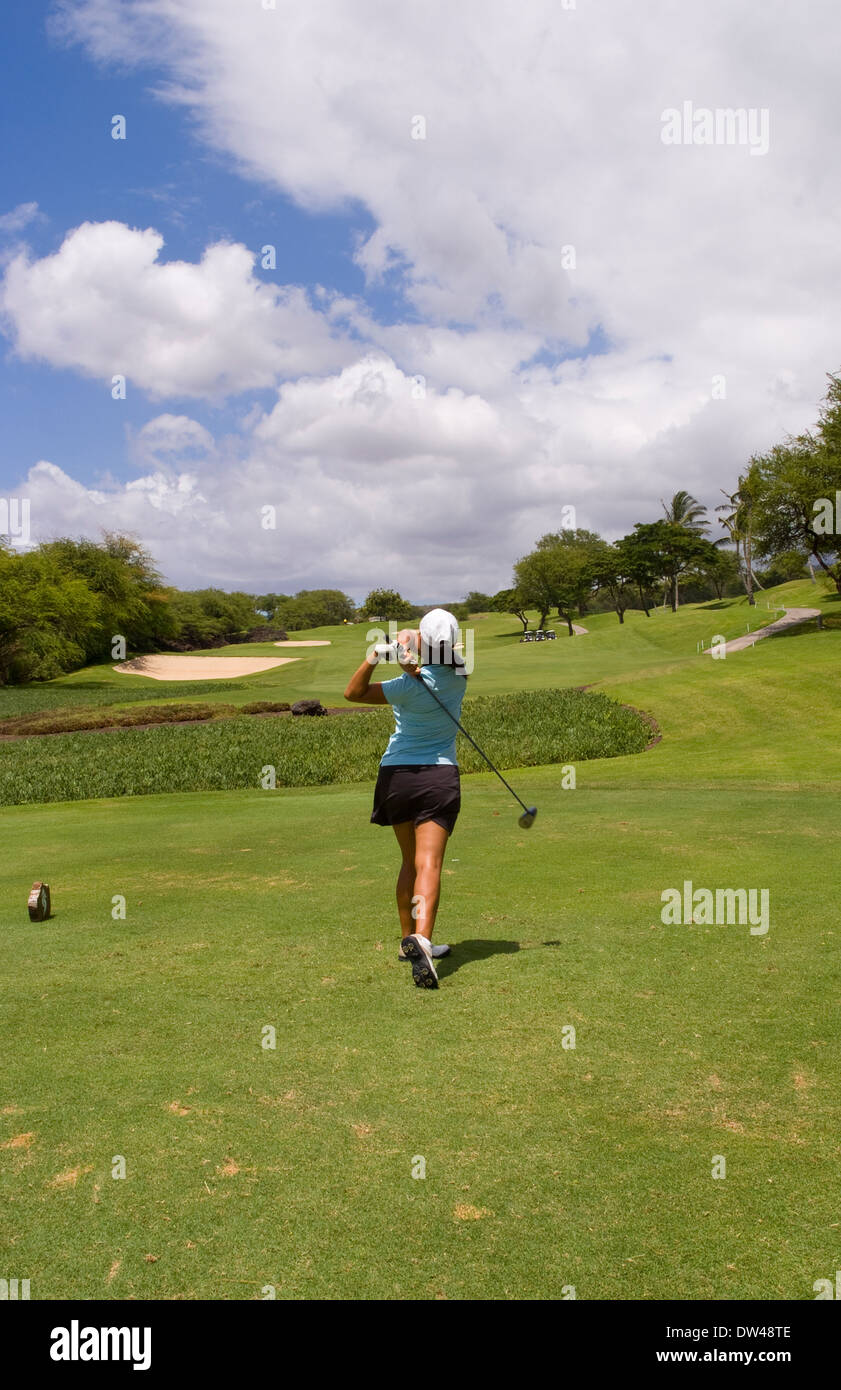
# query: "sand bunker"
[199,668]
[302,644]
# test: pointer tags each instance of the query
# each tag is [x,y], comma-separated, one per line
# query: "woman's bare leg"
[430,846]
[405,833]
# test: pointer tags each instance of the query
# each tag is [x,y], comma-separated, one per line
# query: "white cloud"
[19,217]
[372,484]
[174,434]
[371,414]
[161,508]
[542,129]
[104,304]
[166,493]
[364,478]
[543,132]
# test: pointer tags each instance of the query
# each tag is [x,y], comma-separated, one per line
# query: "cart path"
[792,617]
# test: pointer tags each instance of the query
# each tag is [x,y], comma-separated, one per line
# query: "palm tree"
[685,510]
[738,523]
[733,524]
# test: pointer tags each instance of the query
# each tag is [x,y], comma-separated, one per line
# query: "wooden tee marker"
[39,902]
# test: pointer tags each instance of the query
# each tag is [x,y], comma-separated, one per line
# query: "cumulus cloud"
[542,129]
[574,285]
[174,434]
[363,475]
[370,480]
[104,304]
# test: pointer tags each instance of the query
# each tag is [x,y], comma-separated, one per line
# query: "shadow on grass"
[466,952]
[476,949]
[830,624]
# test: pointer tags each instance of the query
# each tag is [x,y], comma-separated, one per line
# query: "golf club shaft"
[473,741]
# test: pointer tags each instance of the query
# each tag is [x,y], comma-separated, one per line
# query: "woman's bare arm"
[359,690]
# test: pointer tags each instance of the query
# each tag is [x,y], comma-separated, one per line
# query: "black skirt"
[417,792]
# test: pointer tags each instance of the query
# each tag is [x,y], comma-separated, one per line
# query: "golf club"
[526,820]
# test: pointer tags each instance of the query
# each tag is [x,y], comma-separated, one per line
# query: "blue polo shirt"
[423,733]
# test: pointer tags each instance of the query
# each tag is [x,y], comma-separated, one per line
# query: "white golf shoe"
[419,952]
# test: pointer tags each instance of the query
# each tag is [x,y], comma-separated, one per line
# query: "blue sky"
[426,379]
[57,151]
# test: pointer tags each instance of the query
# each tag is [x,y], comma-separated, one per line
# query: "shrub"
[168,714]
[20,700]
[523,730]
[266,707]
[265,634]
[70,721]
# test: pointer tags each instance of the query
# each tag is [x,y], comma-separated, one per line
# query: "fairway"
[546,1166]
[502,662]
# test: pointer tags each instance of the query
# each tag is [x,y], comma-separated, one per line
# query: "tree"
[194,625]
[210,617]
[48,619]
[640,559]
[586,544]
[687,512]
[315,608]
[739,519]
[611,574]
[131,599]
[511,601]
[783,568]
[672,548]
[556,574]
[797,505]
[476,602]
[387,604]
[63,603]
[573,584]
[269,604]
[719,570]
[535,575]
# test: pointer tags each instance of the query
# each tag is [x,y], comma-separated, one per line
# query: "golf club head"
[527,818]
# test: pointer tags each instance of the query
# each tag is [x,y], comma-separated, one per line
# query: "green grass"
[105,717]
[591,1166]
[503,663]
[516,730]
[93,687]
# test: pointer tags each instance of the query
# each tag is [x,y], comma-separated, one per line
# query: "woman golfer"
[418,791]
